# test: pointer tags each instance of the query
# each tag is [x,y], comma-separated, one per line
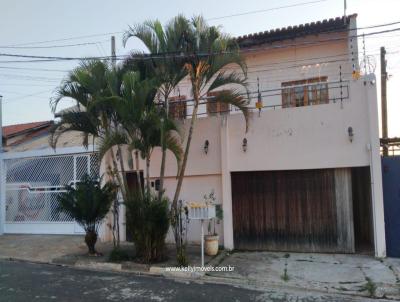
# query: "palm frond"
[74,121]
[236,99]
[174,144]
[110,140]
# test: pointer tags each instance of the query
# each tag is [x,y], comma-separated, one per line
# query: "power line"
[121,32]
[51,46]
[179,55]
[68,39]
[35,69]
[266,10]
[26,96]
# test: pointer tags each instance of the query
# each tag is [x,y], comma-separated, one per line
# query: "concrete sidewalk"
[353,275]
[40,248]
[71,250]
[329,273]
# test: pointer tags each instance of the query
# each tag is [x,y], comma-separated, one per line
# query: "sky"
[28,87]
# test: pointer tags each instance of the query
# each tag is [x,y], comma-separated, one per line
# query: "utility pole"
[2,176]
[384,98]
[113,56]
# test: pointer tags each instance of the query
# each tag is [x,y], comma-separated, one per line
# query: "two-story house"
[305,177]
[307,174]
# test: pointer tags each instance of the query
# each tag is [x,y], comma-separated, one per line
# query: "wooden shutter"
[214,107]
[177,107]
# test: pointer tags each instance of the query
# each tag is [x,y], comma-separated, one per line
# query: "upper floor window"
[305,92]
[213,106]
[177,107]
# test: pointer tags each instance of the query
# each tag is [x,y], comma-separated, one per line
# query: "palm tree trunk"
[124,184]
[115,230]
[148,174]
[164,150]
[139,181]
[163,159]
[186,154]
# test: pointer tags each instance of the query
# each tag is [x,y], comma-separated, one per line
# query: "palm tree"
[168,70]
[209,56]
[140,124]
[88,204]
[92,117]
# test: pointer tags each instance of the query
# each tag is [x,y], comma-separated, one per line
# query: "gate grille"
[33,184]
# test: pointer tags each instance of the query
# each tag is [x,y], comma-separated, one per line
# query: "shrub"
[118,255]
[88,204]
[148,221]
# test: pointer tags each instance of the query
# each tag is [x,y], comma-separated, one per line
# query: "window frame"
[314,91]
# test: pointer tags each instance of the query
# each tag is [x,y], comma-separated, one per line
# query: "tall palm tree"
[169,70]
[209,56]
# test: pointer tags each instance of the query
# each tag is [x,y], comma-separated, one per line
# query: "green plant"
[88,204]
[119,255]
[210,199]
[180,222]
[370,287]
[285,277]
[149,223]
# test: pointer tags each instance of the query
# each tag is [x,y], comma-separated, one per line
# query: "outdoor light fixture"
[206,145]
[244,145]
[117,155]
[259,103]
[350,131]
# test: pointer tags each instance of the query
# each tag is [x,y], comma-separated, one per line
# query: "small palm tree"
[141,126]
[93,116]
[88,204]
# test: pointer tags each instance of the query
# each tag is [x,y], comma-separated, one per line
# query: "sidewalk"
[354,275]
[329,273]
[72,251]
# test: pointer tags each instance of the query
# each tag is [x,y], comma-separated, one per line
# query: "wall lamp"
[350,131]
[206,145]
[244,145]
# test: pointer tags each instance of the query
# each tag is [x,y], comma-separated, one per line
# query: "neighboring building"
[34,174]
[307,174]
[15,136]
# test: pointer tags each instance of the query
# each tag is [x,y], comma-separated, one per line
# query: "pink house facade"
[307,174]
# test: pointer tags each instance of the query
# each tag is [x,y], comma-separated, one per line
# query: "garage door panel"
[285,210]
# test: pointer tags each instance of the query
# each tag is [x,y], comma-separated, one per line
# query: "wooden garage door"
[285,210]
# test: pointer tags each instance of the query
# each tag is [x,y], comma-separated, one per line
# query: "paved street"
[21,281]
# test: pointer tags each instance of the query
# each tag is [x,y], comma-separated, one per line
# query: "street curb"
[155,271]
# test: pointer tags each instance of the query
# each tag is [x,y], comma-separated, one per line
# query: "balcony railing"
[272,99]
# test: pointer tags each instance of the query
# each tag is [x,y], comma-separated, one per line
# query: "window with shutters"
[177,107]
[213,106]
[305,92]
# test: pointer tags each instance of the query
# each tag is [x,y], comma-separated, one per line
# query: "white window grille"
[33,184]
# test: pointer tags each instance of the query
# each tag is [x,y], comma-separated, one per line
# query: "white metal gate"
[32,185]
